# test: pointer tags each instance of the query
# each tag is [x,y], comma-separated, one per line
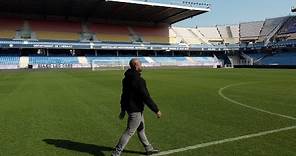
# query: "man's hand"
[158,114]
[121,115]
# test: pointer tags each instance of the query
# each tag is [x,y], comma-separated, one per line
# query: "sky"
[235,11]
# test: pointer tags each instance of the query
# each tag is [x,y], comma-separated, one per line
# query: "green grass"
[69,113]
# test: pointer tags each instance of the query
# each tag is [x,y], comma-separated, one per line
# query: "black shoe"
[154,151]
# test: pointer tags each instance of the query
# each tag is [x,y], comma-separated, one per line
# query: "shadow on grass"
[85,148]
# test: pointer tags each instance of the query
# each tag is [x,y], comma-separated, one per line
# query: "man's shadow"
[85,148]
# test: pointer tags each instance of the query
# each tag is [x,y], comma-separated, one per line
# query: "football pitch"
[206,112]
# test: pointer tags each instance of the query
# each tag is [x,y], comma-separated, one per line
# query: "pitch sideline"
[225,141]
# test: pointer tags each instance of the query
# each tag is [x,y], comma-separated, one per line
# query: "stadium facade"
[77,34]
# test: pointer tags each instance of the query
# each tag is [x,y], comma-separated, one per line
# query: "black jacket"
[135,93]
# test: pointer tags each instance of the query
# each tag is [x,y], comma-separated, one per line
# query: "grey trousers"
[135,123]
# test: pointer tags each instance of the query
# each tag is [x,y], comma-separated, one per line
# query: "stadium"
[224,90]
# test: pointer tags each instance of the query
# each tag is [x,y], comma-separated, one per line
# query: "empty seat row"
[9,60]
[270,24]
[14,28]
[53,60]
[211,33]
[289,27]
[180,61]
[230,34]
[250,30]
[280,59]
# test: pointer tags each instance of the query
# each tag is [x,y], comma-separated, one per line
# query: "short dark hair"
[132,62]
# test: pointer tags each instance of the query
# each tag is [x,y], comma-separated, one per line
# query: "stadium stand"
[173,38]
[159,34]
[211,33]
[289,27]
[235,32]
[250,31]
[225,33]
[55,30]
[116,31]
[165,61]
[229,34]
[288,30]
[256,56]
[292,36]
[187,36]
[53,60]
[185,61]
[122,60]
[222,57]
[160,61]
[208,61]
[8,27]
[270,27]
[202,38]
[285,58]
[111,33]
[9,58]
[253,58]
[204,61]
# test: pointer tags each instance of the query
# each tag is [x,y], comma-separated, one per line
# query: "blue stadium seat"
[165,60]
[256,56]
[52,60]
[204,60]
[12,60]
[289,26]
[280,59]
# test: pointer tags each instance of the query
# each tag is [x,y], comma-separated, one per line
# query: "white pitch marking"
[224,141]
[247,106]
[235,138]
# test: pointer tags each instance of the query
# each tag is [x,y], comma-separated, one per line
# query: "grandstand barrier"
[9,66]
[51,66]
[50,62]
[267,66]
[278,60]
[59,66]
[111,64]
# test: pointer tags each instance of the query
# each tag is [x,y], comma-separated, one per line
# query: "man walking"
[134,95]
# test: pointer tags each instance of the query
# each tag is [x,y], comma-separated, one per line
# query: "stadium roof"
[110,10]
